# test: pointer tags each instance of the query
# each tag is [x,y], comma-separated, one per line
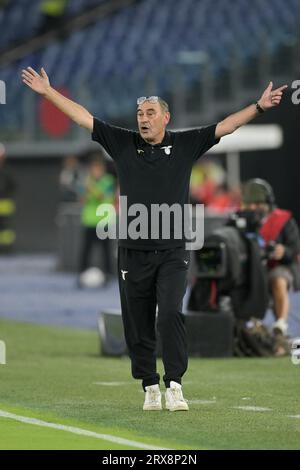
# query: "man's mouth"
[145,128]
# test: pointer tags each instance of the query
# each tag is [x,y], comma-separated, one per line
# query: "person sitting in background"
[208,187]
[282,242]
[207,176]
[99,188]
[70,179]
[7,204]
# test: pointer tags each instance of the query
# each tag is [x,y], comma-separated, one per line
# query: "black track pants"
[148,279]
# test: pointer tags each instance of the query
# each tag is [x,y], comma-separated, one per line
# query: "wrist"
[47,92]
[259,108]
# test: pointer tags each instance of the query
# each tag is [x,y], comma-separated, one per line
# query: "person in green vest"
[53,12]
[99,189]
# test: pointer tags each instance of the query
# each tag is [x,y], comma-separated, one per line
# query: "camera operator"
[282,244]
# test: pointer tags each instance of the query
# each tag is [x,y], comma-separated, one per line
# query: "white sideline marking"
[81,432]
[252,408]
[202,402]
[113,384]
[294,416]
[120,384]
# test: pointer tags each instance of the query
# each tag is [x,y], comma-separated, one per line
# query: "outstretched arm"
[40,84]
[269,99]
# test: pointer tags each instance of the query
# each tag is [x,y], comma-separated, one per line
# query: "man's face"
[71,162]
[152,121]
[263,208]
[96,170]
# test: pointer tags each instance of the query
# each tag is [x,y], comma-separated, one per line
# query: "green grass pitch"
[57,376]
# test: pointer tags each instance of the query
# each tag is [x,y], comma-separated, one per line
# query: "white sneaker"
[152,398]
[174,398]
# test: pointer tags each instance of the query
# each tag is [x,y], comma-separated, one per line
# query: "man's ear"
[167,118]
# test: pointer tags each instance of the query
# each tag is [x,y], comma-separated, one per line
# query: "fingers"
[276,95]
[27,82]
[32,72]
[27,77]
[270,86]
[29,74]
[278,92]
[276,98]
[280,89]
[276,101]
[43,73]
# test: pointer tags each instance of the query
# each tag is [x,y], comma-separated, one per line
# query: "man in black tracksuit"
[154,167]
[153,272]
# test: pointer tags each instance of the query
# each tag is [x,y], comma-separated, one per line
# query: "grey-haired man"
[154,167]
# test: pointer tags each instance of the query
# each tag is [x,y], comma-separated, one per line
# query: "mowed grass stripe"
[21,436]
[82,432]
[51,374]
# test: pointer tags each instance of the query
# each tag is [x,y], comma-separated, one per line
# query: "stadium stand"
[21,19]
[135,41]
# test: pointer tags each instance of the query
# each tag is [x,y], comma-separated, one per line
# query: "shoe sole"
[177,408]
[152,408]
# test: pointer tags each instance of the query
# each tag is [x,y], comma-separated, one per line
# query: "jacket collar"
[166,141]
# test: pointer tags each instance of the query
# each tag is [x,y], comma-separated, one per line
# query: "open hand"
[39,83]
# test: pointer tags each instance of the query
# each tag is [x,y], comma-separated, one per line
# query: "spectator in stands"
[4,3]
[281,235]
[99,188]
[7,204]
[207,176]
[52,14]
[70,179]
[208,186]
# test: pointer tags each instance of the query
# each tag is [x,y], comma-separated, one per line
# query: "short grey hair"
[164,105]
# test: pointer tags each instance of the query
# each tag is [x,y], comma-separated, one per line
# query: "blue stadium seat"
[115,56]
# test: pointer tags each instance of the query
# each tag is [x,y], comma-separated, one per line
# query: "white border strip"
[202,402]
[252,408]
[113,384]
[79,431]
